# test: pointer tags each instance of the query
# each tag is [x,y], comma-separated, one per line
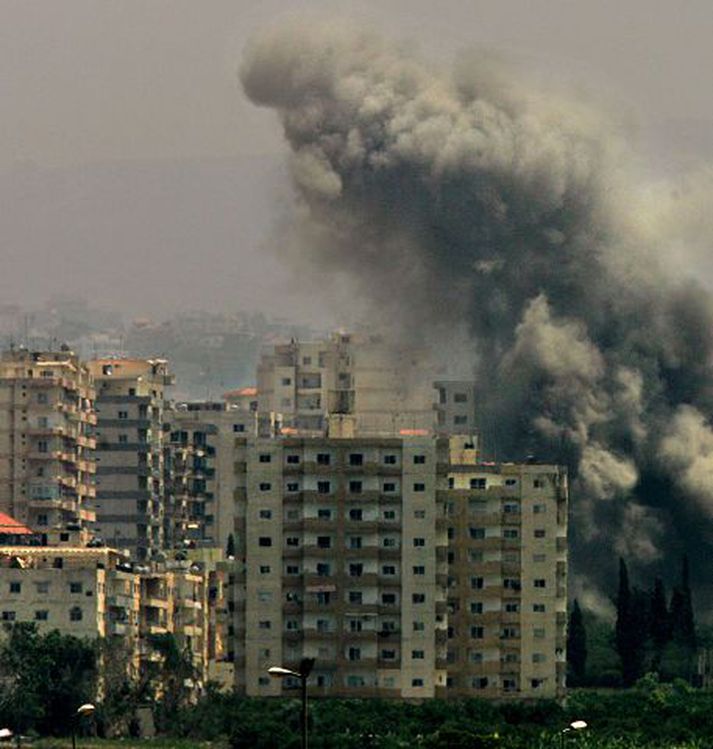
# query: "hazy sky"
[134,172]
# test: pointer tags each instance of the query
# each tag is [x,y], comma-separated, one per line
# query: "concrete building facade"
[47,441]
[130,497]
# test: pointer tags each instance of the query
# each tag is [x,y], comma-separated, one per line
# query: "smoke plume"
[473,195]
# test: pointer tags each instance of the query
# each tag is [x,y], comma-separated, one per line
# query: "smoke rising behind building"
[477,195]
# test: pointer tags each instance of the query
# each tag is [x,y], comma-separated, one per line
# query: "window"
[538,509]
[512,607]
[15,587]
[389,514]
[389,487]
[324,459]
[323,487]
[285,381]
[292,625]
[75,614]
[540,582]
[476,607]
[42,615]
[356,459]
[238,427]
[388,599]
[324,542]
[43,587]
[265,458]
[390,460]
[510,482]
[419,487]
[460,420]
[419,542]
[389,543]
[416,682]
[477,583]
[323,569]
[419,459]
[292,541]
[419,626]
[265,486]
[42,446]
[75,587]
[476,656]
[477,506]
[540,533]
[264,569]
[355,596]
[8,616]
[417,655]
[539,657]
[419,569]
[510,533]
[509,633]
[324,514]
[355,514]
[511,583]
[418,598]
[538,633]
[123,414]
[355,487]
[264,541]
[354,654]
[476,533]
[538,608]
[511,508]
[388,569]
[265,624]
[538,484]
[293,459]
[42,397]
[356,569]
[355,542]
[291,569]
[509,685]
[419,514]
[293,486]
[539,557]
[265,514]
[388,655]
[477,632]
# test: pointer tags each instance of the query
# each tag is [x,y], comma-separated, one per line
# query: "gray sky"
[134,172]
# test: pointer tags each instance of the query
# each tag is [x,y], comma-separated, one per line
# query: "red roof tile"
[12,526]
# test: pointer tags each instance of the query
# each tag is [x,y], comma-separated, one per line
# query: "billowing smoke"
[473,196]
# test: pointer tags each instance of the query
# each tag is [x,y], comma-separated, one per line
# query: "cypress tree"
[577,644]
[230,549]
[683,626]
[630,638]
[660,625]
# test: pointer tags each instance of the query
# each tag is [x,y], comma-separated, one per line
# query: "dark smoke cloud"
[474,195]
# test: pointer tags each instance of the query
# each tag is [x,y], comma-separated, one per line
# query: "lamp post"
[83,711]
[576,725]
[306,665]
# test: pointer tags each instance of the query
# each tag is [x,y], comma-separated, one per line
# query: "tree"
[576,644]
[230,549]
[683,627]
[660,624]
[630,639]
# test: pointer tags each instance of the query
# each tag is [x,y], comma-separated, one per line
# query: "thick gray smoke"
[473,196]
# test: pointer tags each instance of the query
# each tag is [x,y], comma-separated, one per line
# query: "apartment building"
[383,386]
[405,566]
[507,580]
[344,550]
[130,493]
[47,442]
[200,480]
[455,407]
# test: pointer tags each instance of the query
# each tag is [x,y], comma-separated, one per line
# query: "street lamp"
[306,665]
[576,725]
[83,711]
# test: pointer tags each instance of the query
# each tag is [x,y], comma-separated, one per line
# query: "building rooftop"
[10,526]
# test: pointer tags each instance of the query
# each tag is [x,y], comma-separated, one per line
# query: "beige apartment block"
[130,453]
[343,551]
[200,460]
[85,592]
[507,586]
[405,566]
[47,442]
[385,388]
